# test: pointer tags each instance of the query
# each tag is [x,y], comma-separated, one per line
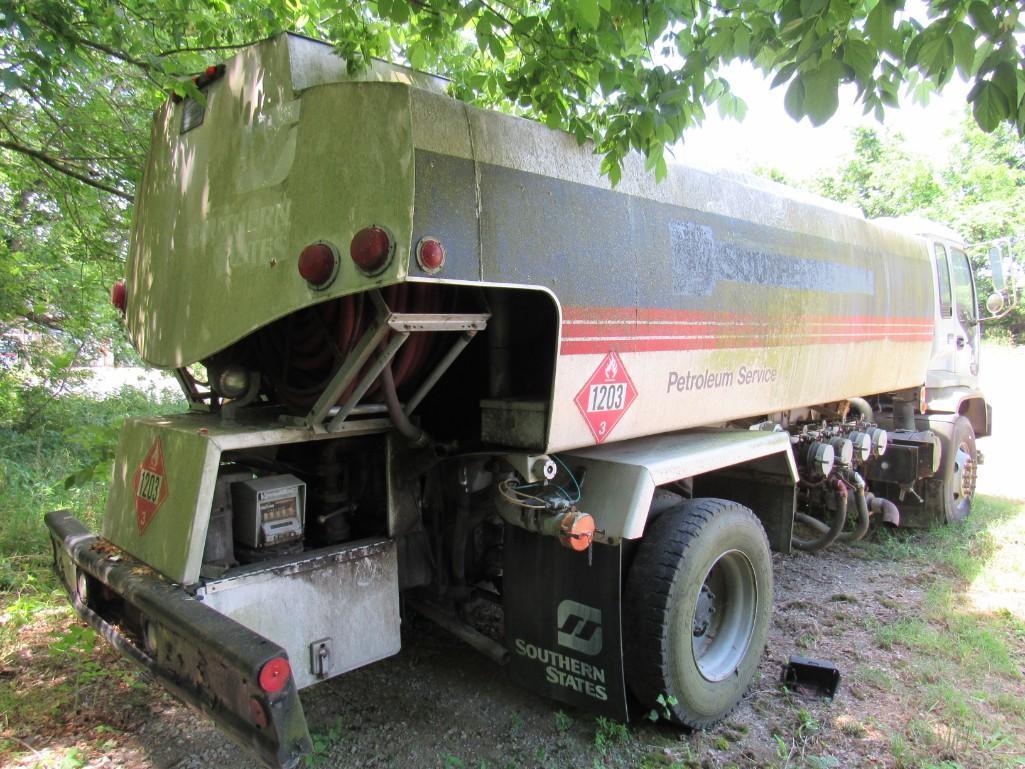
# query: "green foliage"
[609,733]
[44,440]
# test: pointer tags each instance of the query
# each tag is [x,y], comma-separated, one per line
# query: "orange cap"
[576,530]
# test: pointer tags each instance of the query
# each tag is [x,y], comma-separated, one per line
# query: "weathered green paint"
[169,542]
[224,210]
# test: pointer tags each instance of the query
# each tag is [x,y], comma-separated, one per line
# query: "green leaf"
[860,57]
[794,99]
[879,24]
[588,13]
[784,75]
[812,7]
[963,39]
[936,55]
[820,91]
[989,105]
[982,15]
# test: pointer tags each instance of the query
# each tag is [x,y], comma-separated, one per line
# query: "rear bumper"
[202,657]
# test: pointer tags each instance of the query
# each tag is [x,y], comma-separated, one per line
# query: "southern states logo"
[150,485]
[579,627]
[606,396]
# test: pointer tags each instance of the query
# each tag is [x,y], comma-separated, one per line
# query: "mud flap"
[562,622]
[202,657]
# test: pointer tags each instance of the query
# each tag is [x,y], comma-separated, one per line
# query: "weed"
[721,743]
[452,762]
[562,721]
[851,727]
[609,733]
[664,702]
[323,742]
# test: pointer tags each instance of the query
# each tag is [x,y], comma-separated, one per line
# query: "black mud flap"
[234,676]
[562,621]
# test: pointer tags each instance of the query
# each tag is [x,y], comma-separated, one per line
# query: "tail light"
[318,264]
[372,249]
[430,255]
[274,675]
[119,296]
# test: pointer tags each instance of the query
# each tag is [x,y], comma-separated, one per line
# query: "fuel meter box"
[268,511]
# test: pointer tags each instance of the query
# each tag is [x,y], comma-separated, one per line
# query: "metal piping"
[885,508]
[415,435]
[486,645]
[863,407]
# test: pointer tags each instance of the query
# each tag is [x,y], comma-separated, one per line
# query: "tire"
[701,662]
[959,472]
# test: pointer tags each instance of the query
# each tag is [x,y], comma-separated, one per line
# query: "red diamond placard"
[150,485]
[606,396]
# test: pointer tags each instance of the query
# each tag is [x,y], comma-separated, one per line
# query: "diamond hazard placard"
[606,396]
[150,485]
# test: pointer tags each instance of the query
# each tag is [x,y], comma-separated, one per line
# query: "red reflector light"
[318,264]
[430,255]
[119,296]
[275,674]
[371,249]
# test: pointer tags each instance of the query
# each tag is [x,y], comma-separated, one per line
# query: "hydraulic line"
[861,503]
[830,533]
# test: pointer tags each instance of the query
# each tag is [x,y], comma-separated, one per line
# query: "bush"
[55,452]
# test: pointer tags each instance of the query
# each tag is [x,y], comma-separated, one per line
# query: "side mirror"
[996,265]
[995,303]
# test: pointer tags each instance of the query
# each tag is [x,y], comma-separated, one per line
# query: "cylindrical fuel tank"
[694,301]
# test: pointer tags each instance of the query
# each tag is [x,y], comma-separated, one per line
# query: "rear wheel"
[960,471]
[696,610]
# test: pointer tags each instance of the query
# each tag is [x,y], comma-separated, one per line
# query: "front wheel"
[959,472]
[697,604]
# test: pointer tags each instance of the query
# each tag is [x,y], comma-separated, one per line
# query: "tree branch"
[56,165]
[200,48]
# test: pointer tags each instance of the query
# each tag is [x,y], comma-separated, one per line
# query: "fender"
[744,465]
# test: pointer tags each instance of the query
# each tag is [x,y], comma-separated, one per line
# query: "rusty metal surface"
[202,657]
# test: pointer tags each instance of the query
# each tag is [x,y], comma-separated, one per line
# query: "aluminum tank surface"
[691,302]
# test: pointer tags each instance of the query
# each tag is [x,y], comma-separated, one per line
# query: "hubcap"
[724,616]
[964,473]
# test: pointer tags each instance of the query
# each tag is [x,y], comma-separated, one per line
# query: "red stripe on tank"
[600,330]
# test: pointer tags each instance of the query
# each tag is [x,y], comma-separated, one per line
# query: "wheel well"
[978,412]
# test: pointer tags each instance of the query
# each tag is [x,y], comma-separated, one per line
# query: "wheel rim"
[964,474]
[724,616]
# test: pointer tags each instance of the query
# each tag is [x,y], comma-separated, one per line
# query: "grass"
[56,682]
[965,647]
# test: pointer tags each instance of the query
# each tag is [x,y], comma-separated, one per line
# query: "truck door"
[966,313]
[955,354]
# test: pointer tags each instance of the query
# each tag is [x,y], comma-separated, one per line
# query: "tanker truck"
[436,365]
